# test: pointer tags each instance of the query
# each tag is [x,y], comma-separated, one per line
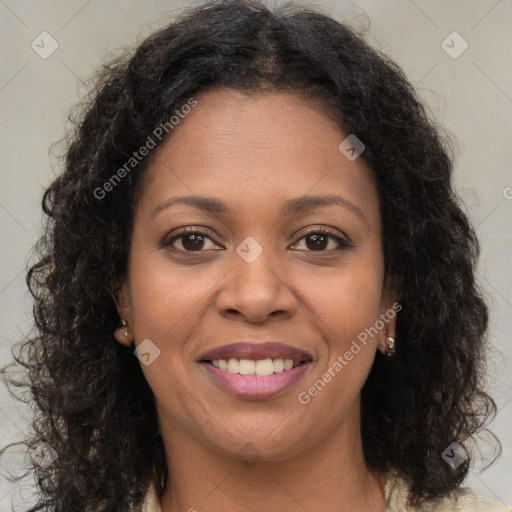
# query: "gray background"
[470,95]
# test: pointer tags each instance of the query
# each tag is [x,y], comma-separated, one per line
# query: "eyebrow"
[297,205]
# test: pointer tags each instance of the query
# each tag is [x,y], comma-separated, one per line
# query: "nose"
[256,291]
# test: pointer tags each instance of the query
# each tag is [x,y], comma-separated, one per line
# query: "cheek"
[350,299]
[163,296]
[347,308]
[168,307]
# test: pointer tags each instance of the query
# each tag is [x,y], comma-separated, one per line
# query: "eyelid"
[342,241]
[176,234]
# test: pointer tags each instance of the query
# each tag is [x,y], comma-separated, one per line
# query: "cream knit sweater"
[395,491]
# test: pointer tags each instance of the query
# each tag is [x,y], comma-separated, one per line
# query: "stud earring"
[123,333]
[125,325]
[390,346]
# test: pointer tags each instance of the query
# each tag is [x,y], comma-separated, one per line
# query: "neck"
[331,473]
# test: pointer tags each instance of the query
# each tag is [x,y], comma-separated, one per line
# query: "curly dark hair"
[94,406]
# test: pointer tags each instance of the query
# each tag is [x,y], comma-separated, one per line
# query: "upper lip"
[256,350]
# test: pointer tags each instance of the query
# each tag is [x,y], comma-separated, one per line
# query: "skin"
[254,152]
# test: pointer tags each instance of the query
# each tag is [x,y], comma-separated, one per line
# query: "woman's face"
[255,268]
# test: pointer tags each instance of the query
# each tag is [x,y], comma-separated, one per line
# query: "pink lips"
[253,386]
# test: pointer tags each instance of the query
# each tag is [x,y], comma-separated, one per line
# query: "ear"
[389,312]
[123,334]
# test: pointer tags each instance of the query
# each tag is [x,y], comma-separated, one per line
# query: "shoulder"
[151,502]
[469,501]
[462,500]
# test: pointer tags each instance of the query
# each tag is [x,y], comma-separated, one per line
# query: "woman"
[257,207]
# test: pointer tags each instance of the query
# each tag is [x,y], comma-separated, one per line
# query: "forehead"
[246,147]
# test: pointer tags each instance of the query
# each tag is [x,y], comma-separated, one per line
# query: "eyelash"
[342,243]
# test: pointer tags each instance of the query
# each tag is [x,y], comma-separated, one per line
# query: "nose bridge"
[254,265]
[255,287]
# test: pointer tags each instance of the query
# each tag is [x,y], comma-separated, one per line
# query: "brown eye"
[191,240]
[318,240]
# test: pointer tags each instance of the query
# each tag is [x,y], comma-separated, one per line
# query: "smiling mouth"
[258,368]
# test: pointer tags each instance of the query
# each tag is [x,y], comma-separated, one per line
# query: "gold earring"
[125,325]
[390,346]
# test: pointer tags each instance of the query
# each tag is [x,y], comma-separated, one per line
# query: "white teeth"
[233,366]
[278,365]
[246,367]
[260,367]
[264,367]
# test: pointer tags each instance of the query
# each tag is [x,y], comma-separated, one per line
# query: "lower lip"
[253,387]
